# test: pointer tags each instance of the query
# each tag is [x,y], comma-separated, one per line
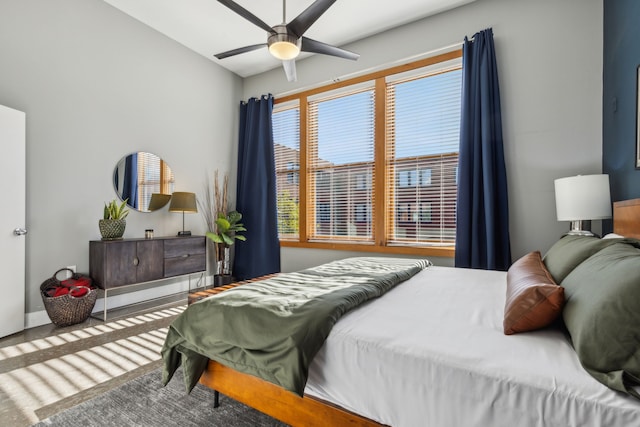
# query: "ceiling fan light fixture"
[284,50]
[283,45]
[287,40]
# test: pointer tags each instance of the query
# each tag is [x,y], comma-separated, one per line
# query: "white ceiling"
[208,27]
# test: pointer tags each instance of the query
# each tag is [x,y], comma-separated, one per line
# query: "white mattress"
[431,352]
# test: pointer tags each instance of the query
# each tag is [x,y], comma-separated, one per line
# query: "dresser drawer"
[184,255]
[184,265]
[184,246]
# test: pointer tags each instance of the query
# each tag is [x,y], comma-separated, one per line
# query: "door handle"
[20,231]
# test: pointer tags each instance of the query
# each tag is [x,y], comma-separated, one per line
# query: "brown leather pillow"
[534,300]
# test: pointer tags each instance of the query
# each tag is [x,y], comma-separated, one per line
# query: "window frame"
[379,208]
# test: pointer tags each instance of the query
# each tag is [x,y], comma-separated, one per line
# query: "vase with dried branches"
[224,226]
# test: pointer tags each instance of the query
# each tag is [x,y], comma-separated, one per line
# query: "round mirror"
[144,180]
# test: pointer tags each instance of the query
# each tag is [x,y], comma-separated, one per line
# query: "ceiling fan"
[286,41]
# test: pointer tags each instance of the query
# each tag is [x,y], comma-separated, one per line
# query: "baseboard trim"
[39,318]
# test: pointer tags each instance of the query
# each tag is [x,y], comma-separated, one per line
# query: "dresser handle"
[185,256]
[136,261]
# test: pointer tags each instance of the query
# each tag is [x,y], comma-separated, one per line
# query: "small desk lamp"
[582,197]
[183,202]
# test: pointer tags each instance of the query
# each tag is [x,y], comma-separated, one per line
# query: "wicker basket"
[66,309]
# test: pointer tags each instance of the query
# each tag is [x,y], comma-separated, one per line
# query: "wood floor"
[47,369]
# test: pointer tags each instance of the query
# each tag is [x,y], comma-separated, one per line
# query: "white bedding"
[432,352]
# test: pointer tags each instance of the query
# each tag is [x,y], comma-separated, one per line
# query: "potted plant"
[113,223]
[227,228]
[223,227]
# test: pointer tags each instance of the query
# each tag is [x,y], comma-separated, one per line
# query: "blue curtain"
[256,192]
[130,189]
[482,229]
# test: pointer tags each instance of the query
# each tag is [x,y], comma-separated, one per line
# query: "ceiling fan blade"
[239,50]
[310,15]
[314,46]
[246,14]
[290,70]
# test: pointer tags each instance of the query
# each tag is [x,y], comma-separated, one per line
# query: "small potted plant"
[223,225]
[113,223]
[227,228]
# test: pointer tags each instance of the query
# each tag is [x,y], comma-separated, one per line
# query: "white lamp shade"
[583,197]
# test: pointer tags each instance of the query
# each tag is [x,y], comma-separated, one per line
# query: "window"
[404,212]
[323,212]
[153,174]
[425,177]
[286,140]
[371,162]
[406,178]
[341,145]
[363,212]
[423,122]
[293,177]
[425,212]
[362,181]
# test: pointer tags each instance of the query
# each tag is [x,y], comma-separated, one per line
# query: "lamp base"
[184,233]
[580,233]
[576,229]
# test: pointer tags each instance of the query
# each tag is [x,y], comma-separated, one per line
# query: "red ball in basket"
[68,301]
[75,286]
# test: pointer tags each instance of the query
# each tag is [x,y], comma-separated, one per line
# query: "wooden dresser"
[117,263]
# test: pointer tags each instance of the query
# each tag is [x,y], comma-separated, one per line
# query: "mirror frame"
[149,197]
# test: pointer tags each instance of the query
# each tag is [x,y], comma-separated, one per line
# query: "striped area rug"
[44,376]
[144,402]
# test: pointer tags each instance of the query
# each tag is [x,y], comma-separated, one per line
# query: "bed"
[432,351]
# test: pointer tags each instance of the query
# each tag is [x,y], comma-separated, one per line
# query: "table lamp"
[182,201]
[158,200]
[580,198]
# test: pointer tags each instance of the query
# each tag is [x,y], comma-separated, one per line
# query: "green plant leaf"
[228,240]
[123,211]
[214,237]
[223,225]
[114,211]
[239,237]
[234,217]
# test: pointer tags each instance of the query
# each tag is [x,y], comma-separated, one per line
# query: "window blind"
[286,139]
[422,140]
[341,142]
[373,159]
[153,174]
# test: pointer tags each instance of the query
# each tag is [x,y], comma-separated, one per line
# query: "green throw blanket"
[273,328]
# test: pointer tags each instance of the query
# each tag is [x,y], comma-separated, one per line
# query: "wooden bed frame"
[626,216]
[279,403]
[308,411]
[270,398]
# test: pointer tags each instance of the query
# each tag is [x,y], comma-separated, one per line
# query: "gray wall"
[549,56]
[95,85]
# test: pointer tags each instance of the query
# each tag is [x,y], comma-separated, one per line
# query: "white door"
[12,220]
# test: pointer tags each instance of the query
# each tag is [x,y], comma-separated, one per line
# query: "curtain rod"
[408,59]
